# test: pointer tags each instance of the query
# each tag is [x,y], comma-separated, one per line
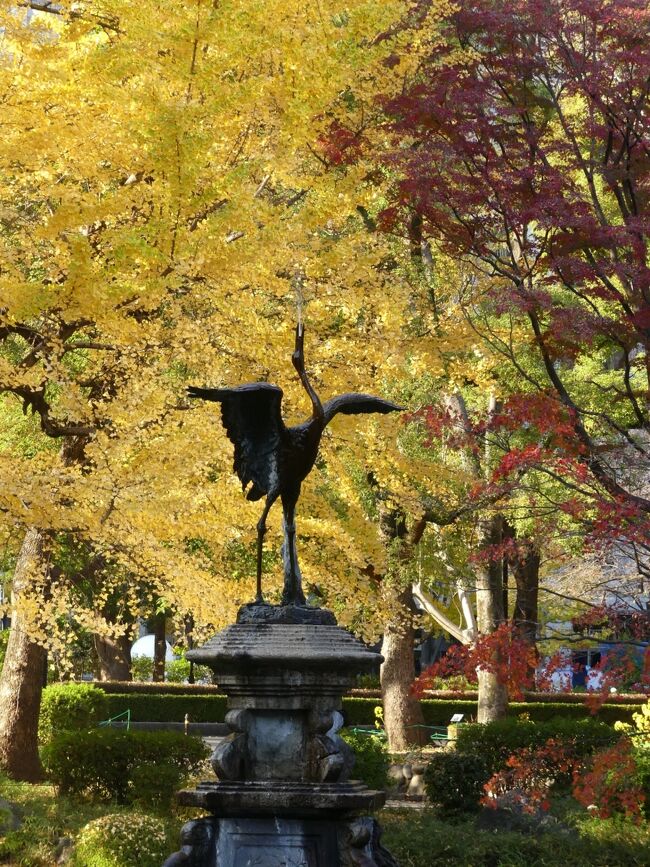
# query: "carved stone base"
[259,798]
[278,842]
[283,795]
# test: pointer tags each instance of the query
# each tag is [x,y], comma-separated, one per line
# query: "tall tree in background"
[163,210]
[523,147]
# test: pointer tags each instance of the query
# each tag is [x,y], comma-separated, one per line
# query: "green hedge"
[129,767]
[497,741]
[70,706]
[357,711]
[425,840]
[438,712]
[126,687]
[168,708]
[371,760]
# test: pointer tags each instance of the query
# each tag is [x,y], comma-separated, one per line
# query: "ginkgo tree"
[164,197]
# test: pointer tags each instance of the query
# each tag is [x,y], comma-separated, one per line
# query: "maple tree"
[501,652]
[527,134]
[518,150]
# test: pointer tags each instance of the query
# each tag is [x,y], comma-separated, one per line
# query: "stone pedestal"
[283,797]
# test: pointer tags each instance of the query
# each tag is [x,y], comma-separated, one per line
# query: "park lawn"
[423,839]
[46,818]
[416,839]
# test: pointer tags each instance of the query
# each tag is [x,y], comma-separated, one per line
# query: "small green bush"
[154,786]
[454,781]
[371,758]
[106,764]
[70,707]
[141,667]
[495,742]
[178,671]
[122,840]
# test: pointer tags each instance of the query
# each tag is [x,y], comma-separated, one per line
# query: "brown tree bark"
[114,655]
[525,571]
[160,647]
[492,693]
[21,681]
[402,712]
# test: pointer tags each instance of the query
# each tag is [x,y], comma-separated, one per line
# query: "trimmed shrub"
[168,702]
[178,670]
[454,781]
[642,759]
[153,786]
[128,687]
[149,707]
[371,758]
[496,742]
[70,707]
[359,711]
[122,840]
[106,764]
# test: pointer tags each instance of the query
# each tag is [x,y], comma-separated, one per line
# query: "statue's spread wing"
[253,422]
[351,404]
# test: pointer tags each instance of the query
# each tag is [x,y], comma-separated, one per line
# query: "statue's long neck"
[298,359]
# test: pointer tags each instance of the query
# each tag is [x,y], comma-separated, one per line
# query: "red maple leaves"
[502,652]
[498,171]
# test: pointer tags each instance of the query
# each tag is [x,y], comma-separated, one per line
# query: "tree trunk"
[526,574]
[401,709]
[189,638]
[160,647]
[114,655]
[21,682]
[492,693]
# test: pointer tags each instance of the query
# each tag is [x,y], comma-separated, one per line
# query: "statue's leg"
[261,531]
[292,593]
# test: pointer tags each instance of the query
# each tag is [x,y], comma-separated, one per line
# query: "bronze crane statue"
[275,459]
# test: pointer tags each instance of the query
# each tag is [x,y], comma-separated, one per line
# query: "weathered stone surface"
[260,612]
[276,746]
[277,843]
[229,758]
[396,776]
[198,844]
[282,797]
[64,850]
[360,845]
[256,649]
[263,798]
[416,788]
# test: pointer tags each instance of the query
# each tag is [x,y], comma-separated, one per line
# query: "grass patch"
[415,839]
[425,840]
[46,818]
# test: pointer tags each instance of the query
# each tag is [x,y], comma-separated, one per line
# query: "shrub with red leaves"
[611,784]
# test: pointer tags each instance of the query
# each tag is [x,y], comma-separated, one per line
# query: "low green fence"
[357,711]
